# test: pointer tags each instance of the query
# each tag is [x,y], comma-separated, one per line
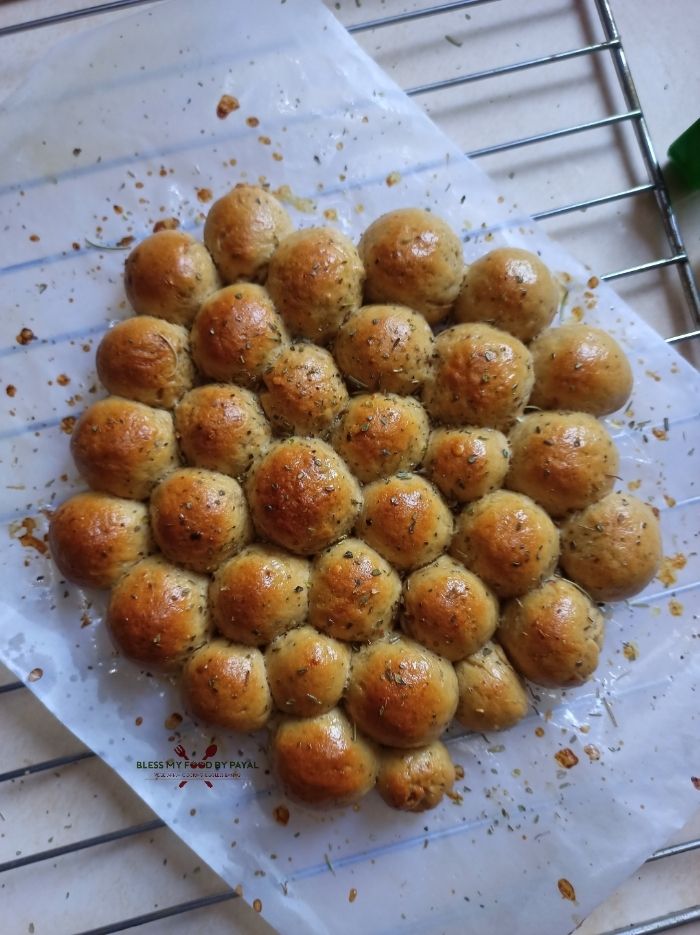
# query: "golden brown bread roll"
[307,671]
[226,685]
[580,367]
[258,594]
[448,609]
[491,694]
[94,538]
[482,376]
[146,359]
[124,448]
[508,541]
[354,594]
[323,761]
[510,289]
[237,334]
[553,634]
[302,496]
[563,460]
[466,463]
[157,613]
[315,279]
[380,434]
[612,548]
[199,518]
[405,519]
[169,275]
[303,391]
[385,347]
[400,693]
[221,428]
[415,780]
[242,231]
[413,258]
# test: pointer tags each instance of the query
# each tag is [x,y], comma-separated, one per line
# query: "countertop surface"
[119,880]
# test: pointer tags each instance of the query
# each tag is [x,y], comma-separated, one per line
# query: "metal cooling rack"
[677,257]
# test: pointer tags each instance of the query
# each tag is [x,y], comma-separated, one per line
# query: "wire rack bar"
[167,913]
[674,850]
[645,267]
[415,14]
[82,845]
[649,155]
[11,687]
[681,338]
[69,15]
[514,67]
[46,765]
[592,202]
[554,134]
[662,924]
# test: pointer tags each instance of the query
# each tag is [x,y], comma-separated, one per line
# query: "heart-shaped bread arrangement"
[352,493]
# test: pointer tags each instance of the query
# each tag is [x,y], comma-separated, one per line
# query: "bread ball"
[303,391]
[406,520]
[302,496]
[199,518]
[258,594]
[508,541]
[491,694]
[354,594]
[307,671]
[146,359]
[553,634]
[157,613]
[385,347]
[169,275]
[448,609]
[400,693]
[124,448]
[510,289]
[612,548]
[226,685]
[221,428]
[415,780]
[94,538]
[413,258]
[237,334]
[466,463]
[579,367]
[482,376]
[381,434]
[563,460]
[315,279]
[322,760]
[242,231]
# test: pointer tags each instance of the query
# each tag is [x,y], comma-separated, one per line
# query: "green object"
[684,153]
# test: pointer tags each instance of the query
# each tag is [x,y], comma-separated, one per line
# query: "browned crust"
[354,593]
[146,359]
[157,613]
[302,496]
[580,367]
[508,541]
[237,334]
[553,634]
[123,447]
[226,685]
[400,693]
[491,694]
[199,518]
[307,671]
[94,538]
[612,548]
[320,762]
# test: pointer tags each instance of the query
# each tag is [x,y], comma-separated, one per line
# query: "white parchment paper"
[117,129]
